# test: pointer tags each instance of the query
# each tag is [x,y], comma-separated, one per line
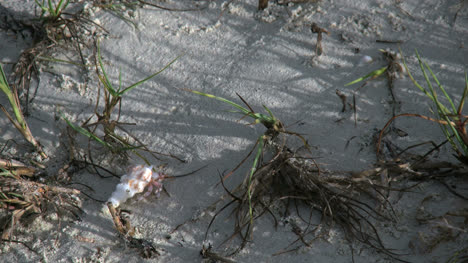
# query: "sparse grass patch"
[450,117]
[54,28]
[390,71]
[17,119]
[459,256]
[50,10]
[292,178]
[21,198]
[115,137]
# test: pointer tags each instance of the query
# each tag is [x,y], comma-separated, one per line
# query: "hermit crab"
[135,181]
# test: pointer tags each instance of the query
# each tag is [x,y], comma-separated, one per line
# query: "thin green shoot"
[3,196]
[53,11]
[454,126]
[374,74]
[465,94]
[458,256]
[118,10]
[451,120]
[18,119]
[268,121]
[16,195]
[51,59]
[121,91]
[12,99]
[6,173]
[113,96]
[92,136]
[85,132]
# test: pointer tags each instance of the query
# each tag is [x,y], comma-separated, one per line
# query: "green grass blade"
[122,141]
[99,140]
[373,74]
[465,93]
[149,77]
[414,80]
[429,94]
[42,6]
[105,80]
[56,60]
[441,108]
[3,79]
[2,195]
[12,99]
[441,87]
[269,112]
[120,81]
[451,131]
[85,132]
[51,8]
[61,6]
[6,173]
[442,111]
[242,109]
[267,121]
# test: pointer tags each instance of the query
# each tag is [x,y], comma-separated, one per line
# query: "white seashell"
[365,60]
[132,183]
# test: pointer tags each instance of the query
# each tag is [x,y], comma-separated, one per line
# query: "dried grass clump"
[23,200]
[353,202]
[60,25]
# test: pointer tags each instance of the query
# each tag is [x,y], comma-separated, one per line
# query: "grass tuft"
[18,118]
[50,10]
[25,199]
[450,117]
[116,138]
[292,178]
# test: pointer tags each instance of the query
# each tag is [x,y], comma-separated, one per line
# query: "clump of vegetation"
[55,28]
[404,166]
[22,198]
[451,119]
[115,137]
[50,10]
[17,119]
[290,177]
[391,71]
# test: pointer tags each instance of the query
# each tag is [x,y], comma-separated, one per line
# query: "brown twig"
[24,197]
[17,168]
[127,231]
[262,4]
[316,29]
[408,115]
[343,100]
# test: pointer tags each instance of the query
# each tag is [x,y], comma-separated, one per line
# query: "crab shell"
[134,182]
